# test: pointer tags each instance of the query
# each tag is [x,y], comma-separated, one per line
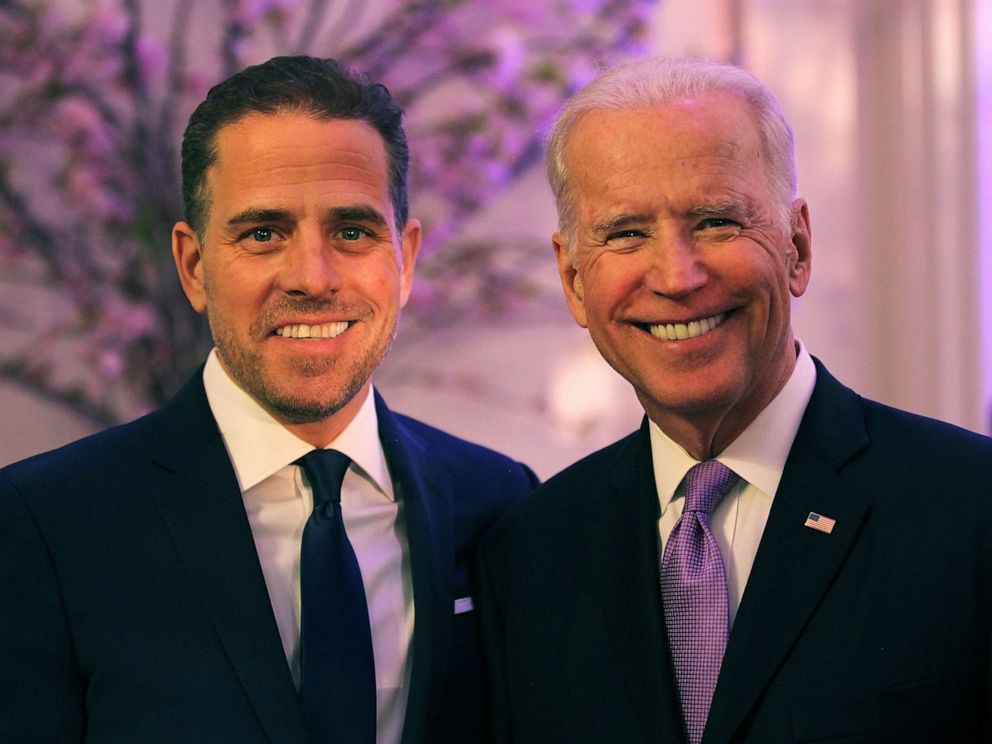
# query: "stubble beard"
[344,377]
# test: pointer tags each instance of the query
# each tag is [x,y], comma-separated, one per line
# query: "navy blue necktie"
[337,680]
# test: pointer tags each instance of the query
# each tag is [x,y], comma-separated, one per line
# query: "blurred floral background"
[890,101]
[93,100]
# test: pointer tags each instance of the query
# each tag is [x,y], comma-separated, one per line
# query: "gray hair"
[657,81]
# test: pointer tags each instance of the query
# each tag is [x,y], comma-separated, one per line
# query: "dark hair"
[322,88]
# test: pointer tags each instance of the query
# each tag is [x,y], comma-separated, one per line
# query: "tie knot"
[325,470]
[706,484]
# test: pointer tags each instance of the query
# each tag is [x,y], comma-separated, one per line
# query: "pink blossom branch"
[32,229]
[35,382]
[316,10]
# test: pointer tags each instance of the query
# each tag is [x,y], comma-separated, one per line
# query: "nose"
[676,269]
[312,267]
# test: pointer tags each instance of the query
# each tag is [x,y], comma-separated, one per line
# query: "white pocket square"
[463,605]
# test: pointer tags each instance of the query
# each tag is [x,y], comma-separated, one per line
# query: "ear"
[187,253]
[571,281]
[409,249]
[801,255]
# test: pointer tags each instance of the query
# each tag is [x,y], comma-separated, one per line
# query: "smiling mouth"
[683,331]
[304,330]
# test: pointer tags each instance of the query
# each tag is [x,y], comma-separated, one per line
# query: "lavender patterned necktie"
[694,592]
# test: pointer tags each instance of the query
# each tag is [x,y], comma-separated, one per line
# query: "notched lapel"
[201,506]
[630,518]
[795,564]
[426,496]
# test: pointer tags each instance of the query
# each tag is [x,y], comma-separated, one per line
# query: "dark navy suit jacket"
[877,632]
[134,607]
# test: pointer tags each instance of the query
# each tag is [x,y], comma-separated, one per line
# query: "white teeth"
[302,330]
[680,331]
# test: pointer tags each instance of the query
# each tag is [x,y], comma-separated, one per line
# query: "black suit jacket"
[877,632]
[134,607]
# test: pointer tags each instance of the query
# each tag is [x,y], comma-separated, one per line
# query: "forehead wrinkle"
[255,151]
[318,171]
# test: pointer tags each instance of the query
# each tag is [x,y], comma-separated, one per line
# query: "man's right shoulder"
[127,452]
[80,461]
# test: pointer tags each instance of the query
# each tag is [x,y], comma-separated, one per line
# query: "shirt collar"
[258,445]
[759,453]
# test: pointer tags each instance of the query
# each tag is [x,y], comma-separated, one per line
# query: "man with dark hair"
[771,558]
[274,556]
[322,88]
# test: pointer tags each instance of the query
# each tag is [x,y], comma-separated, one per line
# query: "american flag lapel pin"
[819,522]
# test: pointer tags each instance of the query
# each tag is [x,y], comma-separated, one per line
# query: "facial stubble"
[337,378]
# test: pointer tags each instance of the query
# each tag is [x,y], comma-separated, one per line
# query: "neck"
[706,432]
[702,439]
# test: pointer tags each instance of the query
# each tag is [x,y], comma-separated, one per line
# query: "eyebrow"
[258,215]
[743,208]
[358,213]
[620,221]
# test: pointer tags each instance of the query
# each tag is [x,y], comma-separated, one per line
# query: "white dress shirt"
[758,456]
[278,503]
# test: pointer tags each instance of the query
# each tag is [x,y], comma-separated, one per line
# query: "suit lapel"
[630,515]
[201,505]
[426,496]
[794,564]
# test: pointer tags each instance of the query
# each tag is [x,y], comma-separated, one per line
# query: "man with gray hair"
[770,558]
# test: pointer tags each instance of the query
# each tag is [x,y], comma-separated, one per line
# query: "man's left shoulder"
[838,412]
[912,461]
[927,436]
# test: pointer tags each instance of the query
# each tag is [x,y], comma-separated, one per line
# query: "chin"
[689,401]
[304,411]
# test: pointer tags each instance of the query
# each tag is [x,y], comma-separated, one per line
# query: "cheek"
[234,301]
[607,284]
[758,271]
[383,286]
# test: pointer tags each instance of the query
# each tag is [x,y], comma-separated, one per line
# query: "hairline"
[324,89]
[657,82]
[202,192]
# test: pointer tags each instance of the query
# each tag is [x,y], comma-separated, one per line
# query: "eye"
[260,234]
[625,240]
[716,223]
[353,233]
[622,234]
